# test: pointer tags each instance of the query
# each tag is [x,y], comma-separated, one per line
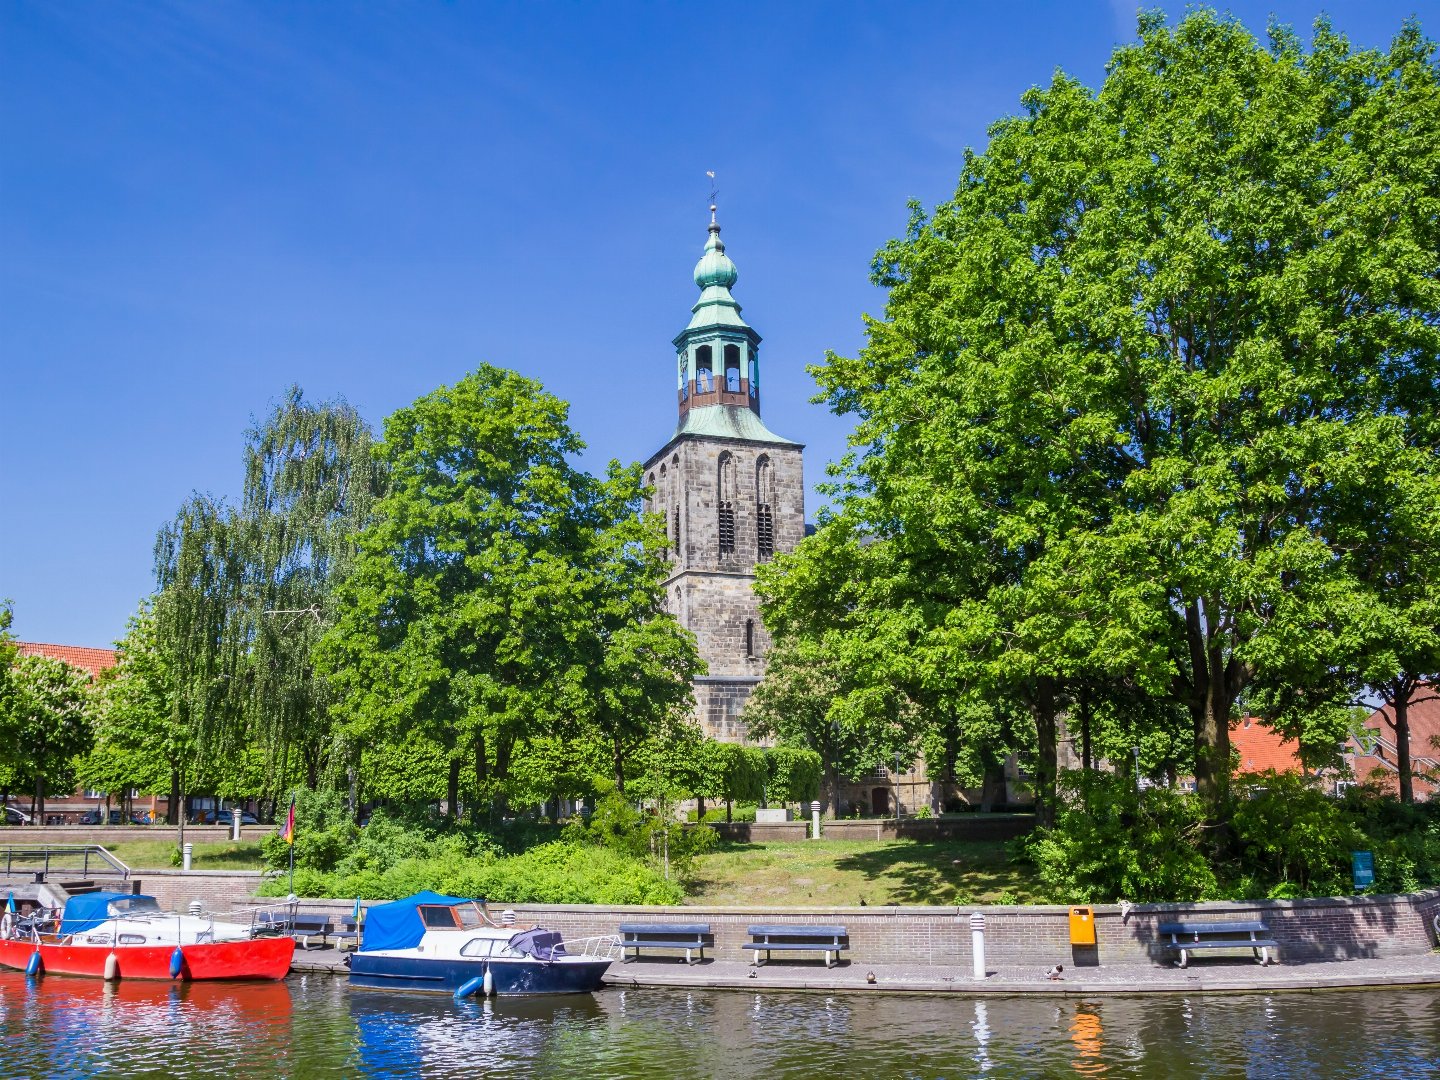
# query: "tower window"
[727,528]
[764,532]
[704,370]
[754,376]
[749,637]
[726,490]
[732,368]
[676,519]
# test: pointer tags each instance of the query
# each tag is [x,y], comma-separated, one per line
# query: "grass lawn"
[842,873]
[214,855]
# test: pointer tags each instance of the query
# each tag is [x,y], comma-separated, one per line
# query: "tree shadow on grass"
[938,873]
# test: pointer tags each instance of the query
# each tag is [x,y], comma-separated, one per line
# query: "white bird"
[1054,974]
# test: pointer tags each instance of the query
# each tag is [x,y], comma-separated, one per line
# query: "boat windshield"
[134,905]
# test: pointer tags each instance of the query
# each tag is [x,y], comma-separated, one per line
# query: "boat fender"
[469,988]
[112,967]
[35,967]
[177,963]
[489,982]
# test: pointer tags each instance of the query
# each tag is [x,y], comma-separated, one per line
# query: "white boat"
[449,945]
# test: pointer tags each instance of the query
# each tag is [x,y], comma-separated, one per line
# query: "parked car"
[15,816]
[97,817]
[222,817]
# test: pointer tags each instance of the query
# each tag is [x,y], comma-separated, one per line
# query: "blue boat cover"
[85,911]
[541,944]
[397,925]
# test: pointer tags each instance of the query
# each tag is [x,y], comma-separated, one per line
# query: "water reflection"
[315,1027]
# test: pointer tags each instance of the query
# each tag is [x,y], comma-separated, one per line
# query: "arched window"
[684,382]
[726,516]
[704,370]
[764,508]
[732,368]
[676,519]
[754,375]
[749,637]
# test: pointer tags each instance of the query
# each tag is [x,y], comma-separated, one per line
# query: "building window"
[676,519]
[764,533]
[750,637]
[754,377]
[727,491]
[704,370]
[764,515]
[732,368]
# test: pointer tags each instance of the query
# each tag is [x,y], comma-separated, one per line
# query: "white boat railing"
[599,947]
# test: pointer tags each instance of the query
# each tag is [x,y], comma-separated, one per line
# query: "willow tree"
[247,590]
[1141,376]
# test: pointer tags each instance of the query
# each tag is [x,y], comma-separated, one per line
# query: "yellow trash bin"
[1082,926]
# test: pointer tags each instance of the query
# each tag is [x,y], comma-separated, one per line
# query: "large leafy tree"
[499,595]
[48,722]
[1143,374]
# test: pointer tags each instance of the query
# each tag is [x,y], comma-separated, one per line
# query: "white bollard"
[977,943]
[185,851]
[815,821]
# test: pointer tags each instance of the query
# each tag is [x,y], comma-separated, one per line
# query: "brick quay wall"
[1335,928]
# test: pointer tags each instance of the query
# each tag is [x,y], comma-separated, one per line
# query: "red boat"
[127,936]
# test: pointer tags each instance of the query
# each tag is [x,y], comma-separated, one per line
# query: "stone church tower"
[731,490]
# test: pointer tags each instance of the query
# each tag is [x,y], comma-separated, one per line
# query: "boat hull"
[508,977]
[262,958]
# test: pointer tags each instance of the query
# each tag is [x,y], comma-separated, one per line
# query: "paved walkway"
[1203,976]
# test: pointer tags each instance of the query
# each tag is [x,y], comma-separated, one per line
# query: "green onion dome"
[715,267]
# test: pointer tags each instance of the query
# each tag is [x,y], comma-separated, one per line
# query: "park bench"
[349,931]
[1188,937]
[688,936]
[301,925]
[827,939]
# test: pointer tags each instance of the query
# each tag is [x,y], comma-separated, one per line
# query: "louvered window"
[764,533]
[727,528]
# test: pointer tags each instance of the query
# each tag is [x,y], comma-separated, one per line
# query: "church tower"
[732,493]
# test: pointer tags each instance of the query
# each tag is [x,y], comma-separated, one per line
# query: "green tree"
[248,590]
[1138,378]
[495,586]
[48,723]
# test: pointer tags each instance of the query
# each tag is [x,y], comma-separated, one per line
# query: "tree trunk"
[172,808]
[1087,762]
[832,790]
[729,806]
[619,761]
[452,790]
[482,774]
[699,808]
[1402,746]
[1046,757]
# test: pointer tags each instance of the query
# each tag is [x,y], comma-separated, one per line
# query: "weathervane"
[714,193]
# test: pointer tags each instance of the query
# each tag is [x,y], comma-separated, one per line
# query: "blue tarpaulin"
[397,925]
[85,911]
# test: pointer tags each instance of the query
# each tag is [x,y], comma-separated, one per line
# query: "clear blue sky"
[202,203]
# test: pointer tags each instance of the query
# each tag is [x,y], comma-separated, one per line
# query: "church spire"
[718,351]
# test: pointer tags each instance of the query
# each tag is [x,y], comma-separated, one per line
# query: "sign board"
[1362,869]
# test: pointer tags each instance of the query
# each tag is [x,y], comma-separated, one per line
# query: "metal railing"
[87,859]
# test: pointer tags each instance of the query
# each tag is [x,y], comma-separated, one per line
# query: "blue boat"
[429,943]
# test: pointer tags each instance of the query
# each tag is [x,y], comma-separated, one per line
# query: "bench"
[827,939]
[301,925]
[349,931]
[687,936]
[1187,937]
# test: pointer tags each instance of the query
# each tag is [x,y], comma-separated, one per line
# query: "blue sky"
[203,203]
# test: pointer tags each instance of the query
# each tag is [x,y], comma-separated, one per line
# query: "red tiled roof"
[92,660]
[1261,748]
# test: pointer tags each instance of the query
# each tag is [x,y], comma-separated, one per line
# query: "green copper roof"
[715,274]
[728,422]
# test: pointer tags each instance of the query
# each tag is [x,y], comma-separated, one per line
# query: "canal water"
[314,1027]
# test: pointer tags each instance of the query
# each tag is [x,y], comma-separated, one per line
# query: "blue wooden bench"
[1188,937]
[692,937]
[827,939]
[301,925]
[349,931]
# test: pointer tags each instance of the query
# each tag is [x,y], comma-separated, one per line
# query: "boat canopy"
[398,925]
[85,911]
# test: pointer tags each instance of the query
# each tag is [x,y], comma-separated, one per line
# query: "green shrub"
[1111,842]
[1294,835]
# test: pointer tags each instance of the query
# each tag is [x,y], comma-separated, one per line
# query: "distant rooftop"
[90,660]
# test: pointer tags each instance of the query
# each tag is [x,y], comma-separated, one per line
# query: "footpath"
[1203,976]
